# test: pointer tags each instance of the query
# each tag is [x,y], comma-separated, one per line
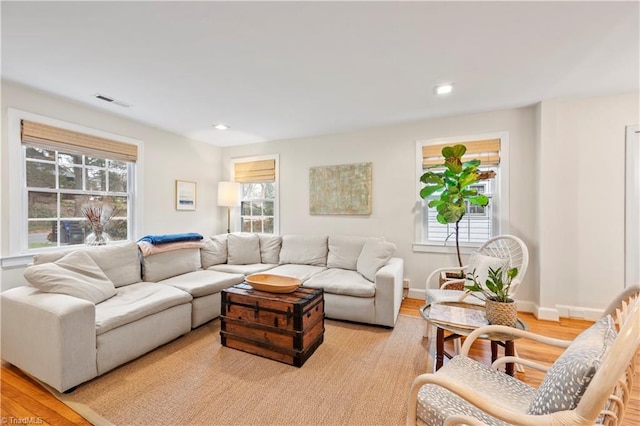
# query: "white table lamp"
[228,196]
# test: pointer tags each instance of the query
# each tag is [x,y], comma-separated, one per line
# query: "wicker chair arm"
[436,273]
[510,331]
[522,361]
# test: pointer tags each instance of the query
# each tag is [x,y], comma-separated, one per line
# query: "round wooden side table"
[456,332]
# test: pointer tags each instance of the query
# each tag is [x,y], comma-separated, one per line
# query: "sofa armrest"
[50,336]
[389,292]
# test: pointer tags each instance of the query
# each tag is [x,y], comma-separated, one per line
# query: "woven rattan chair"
[509,248]
[593,376]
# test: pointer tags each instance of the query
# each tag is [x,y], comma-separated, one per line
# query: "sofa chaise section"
[141,317]
[64,340]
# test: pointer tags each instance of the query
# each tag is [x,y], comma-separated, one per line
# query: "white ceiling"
[277,70]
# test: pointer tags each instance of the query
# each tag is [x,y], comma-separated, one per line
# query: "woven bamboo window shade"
[255,171]
[487,151]
[54,138]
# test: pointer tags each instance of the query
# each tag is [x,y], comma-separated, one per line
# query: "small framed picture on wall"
[185,195]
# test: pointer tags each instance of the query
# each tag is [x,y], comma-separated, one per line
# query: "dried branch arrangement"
[98,215]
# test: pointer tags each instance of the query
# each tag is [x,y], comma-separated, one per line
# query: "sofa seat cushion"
[242,269]
[342,281]
[203,283]
[301,272]
[137,301]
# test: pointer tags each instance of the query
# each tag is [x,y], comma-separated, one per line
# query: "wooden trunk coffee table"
[285,327]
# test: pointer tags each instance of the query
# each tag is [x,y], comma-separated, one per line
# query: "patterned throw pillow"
[569,376]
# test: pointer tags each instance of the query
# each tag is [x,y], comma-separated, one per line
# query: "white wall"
[566,187]
[167,157]
[391,149]
[581,201]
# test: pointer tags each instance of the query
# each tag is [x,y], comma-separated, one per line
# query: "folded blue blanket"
[171,238]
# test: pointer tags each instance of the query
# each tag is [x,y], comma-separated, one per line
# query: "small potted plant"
[499,307]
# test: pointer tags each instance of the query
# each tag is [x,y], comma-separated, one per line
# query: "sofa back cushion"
[304,250]
[119,262]
[568,378]
[270,248]
[75,274]
[160,266]
[243,249]
[375,253]
[214,251]
[344,252]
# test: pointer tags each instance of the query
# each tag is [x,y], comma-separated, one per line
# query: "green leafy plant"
[452,182]
[496,287]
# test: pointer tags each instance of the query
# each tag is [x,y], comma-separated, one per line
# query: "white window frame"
[19,253]
[276,206]
[499,201]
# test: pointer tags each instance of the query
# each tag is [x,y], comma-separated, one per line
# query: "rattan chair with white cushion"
[588,384]
[505,251]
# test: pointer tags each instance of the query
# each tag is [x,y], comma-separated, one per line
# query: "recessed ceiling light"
[443,89]
[221,126]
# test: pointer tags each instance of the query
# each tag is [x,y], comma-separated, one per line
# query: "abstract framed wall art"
[341,189]
[185,195]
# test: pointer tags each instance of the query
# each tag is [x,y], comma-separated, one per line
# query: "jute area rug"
[360,375]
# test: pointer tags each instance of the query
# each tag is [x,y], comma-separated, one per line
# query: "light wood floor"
[25,401]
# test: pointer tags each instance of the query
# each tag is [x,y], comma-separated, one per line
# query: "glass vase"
[97,238]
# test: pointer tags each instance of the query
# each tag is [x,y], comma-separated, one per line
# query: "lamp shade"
[228,194]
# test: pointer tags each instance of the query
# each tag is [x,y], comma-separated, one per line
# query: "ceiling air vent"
[111,100]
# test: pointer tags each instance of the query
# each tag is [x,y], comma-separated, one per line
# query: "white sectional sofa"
[90,310]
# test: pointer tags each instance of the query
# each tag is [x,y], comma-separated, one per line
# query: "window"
[475,227]
[258,208]
[56,170]
[479,223]
[60,184]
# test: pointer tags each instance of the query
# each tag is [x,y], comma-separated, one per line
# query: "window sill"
[436,248]
[26,259]
[19,261]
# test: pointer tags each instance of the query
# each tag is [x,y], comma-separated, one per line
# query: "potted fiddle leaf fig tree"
[453,181]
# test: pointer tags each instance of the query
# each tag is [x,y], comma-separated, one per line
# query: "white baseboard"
[541,313]
[590,314]
[548,314]
[526,306]
[416,293]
